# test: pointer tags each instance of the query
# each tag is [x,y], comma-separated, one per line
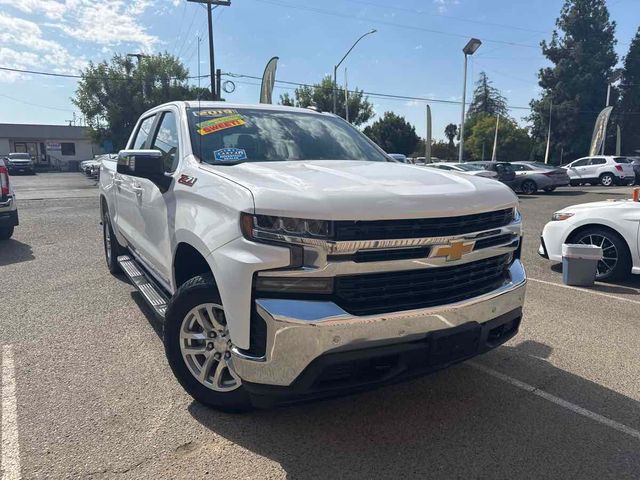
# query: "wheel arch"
[188,262]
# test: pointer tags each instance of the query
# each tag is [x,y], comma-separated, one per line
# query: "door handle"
[117,181]
[137,189]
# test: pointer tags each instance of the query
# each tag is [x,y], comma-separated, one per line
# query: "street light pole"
[335,69]
[469,49]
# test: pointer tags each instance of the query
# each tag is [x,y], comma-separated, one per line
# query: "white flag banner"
[599,131]
[268,80]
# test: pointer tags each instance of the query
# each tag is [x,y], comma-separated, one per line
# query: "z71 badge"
[187,180]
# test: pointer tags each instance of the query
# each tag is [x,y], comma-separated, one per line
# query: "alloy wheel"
[607,180]
[107,241]
[206,347]
[609,253]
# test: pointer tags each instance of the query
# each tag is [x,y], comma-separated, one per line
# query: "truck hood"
[348,190]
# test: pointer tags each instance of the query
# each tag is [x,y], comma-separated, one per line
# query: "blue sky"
[416,51]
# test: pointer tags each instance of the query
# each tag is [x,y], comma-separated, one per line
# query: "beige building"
[51,146]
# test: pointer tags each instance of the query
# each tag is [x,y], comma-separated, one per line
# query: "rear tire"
[549,189]
[112,249]
[528,187]
[6,233]
[574,183]
[607,180]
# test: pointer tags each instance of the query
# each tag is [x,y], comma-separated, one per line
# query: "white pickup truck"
[290,258]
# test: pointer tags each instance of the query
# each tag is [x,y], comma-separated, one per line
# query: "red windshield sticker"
[217,124]
[187,180]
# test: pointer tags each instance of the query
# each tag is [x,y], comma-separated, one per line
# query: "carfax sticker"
[230,154]
[213,113]
[217,124]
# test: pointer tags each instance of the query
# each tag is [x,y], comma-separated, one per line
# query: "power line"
[69,75]
[442,15]
[391,24]
[35,104]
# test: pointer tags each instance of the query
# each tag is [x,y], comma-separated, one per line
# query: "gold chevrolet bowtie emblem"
[454,251]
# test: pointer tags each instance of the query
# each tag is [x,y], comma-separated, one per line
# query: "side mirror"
[141,163]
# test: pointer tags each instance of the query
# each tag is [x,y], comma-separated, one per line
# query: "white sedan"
[612,225]
[466,168]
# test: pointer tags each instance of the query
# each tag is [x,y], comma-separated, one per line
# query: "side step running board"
[154,296]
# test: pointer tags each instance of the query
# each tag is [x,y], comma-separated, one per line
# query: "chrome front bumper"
[300,331]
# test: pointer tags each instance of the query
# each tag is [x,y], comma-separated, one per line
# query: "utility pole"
[212,65]
[139,56]
[469,49]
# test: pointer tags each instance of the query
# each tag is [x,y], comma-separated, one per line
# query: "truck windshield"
[220,136]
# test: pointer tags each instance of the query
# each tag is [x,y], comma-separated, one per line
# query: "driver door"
[156,208]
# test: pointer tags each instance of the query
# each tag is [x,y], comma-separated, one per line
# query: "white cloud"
[104,22]
[24,47]
[443,5]
[419,47]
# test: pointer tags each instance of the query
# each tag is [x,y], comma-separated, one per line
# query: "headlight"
[517,216]
[559,216]
[283,229]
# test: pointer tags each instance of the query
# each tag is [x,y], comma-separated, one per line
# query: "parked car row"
[530,177]
[91,168]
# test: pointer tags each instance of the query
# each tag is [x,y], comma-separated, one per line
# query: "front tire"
[607,180]
[616,262]
[197,344]
[6,233]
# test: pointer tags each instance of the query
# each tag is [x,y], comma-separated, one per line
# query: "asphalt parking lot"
[87,392]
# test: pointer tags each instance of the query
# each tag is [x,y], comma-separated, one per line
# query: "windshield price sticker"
[217,124]
[214,113]
[230,154]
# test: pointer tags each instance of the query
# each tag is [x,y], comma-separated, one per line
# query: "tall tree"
[320,95]
[581,50]
[487,99]
[393,134]
[514,143]
[112,95]
[630,102]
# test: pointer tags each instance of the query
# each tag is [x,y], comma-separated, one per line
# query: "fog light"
[294,285]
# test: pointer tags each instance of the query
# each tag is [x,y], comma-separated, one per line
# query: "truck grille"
[394,291]
[421,227]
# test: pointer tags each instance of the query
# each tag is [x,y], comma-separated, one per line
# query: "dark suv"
[20,163]
[506,173]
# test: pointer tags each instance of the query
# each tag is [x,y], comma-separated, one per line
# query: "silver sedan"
[534,176]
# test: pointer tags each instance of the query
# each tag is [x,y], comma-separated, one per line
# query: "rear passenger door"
[156,211]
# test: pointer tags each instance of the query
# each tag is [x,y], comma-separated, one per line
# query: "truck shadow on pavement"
[12,251]
[458,423]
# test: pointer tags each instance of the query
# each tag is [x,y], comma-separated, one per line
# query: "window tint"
[142,136]
[621,160]
[580,163]
[519,168]
[597,161]
[167,141]
[444,167]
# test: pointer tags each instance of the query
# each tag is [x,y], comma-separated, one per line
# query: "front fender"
[234,265]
